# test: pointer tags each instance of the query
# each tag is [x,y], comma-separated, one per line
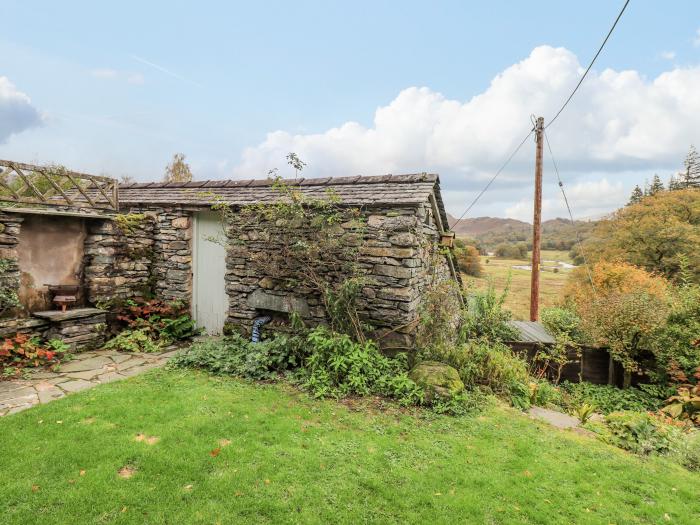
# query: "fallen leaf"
[527,473]
[267,482]
[140,437]
[124,509]
[152,440]
[82,472]
[224,442]
[35,488]
[71,481]
[215,452]
[59,422]
[188,487]
[126,471]
[238,494]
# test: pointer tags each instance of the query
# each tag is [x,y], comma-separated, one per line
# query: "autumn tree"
[468,260]
[621,307]
[178,170]
[654,234]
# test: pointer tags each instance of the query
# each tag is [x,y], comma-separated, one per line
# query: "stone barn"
[166,241]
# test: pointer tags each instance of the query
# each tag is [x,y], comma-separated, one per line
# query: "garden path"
[85,370]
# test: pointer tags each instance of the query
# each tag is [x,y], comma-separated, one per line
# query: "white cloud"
[589,199]
[668,55]
[619,120]
[16,110]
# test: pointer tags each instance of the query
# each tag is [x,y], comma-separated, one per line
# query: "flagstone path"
[85,370]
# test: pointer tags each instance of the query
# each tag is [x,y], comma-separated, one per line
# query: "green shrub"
[485,317]
[337,366]
[237,356]
[607,398]
[641,433]
[133,341]
[686,451]
[544,394]
[672,344]
[492,366]
[177,329]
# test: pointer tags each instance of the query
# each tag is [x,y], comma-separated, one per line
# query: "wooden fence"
[25,184]
[593,365]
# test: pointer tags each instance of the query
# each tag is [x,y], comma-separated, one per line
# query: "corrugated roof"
[531,332]
[394,190]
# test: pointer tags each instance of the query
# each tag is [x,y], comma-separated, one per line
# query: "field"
[518,299]
[182,447]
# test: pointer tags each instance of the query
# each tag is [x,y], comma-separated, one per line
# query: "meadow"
[499,270]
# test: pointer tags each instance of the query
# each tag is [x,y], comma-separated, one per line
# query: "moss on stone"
[438,380]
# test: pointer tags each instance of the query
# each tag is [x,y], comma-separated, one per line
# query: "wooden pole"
[537,225]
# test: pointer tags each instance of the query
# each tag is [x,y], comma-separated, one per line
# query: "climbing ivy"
[317,243]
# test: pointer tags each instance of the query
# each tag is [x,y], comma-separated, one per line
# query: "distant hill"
[557,234]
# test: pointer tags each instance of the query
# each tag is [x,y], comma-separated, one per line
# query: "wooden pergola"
[56,187]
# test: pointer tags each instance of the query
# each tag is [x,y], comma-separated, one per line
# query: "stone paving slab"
[84,371]
[554,418]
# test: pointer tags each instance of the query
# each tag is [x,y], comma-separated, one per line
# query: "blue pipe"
[257,326]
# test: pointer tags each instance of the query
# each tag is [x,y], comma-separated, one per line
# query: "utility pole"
[537,225]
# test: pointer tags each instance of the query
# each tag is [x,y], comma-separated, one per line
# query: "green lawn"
[518,300]
[224,451]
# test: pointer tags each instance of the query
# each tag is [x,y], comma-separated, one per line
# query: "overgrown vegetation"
[148,326]
[317,243]
[22,351]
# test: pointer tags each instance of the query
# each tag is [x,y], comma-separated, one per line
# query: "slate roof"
[389,190]
[531,332]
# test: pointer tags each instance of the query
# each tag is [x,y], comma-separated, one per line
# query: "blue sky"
[118,88]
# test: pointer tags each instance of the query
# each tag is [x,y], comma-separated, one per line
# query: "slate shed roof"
[389,190]
[531,332]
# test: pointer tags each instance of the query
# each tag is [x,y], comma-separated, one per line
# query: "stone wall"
[398,255]
[152,258]
[118,261]
[9,238]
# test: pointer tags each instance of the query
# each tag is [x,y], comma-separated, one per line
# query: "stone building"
[167,242]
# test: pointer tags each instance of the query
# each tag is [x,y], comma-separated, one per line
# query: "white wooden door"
[210,302]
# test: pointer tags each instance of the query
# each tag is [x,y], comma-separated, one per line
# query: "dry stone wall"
[398,255]
[153,257]
[9,237]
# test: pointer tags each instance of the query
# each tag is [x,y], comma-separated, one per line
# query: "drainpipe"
[257,326]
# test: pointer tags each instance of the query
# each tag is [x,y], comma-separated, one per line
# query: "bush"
[133,341]
[512,251]
[641,433]
[607,398]
[337,366]
[22,351]
[492,366]
[485,317]
[468,260]
[673,343]
[237,356]
[686,451]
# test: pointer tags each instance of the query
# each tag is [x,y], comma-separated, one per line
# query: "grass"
[195,449]
[518,299]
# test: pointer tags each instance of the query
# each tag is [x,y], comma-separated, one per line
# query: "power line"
[492,179]
[600,49]
[571,215]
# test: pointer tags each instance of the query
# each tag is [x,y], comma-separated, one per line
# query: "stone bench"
[81,328]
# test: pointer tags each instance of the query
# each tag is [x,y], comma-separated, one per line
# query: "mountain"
[557,234]
[481,225]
